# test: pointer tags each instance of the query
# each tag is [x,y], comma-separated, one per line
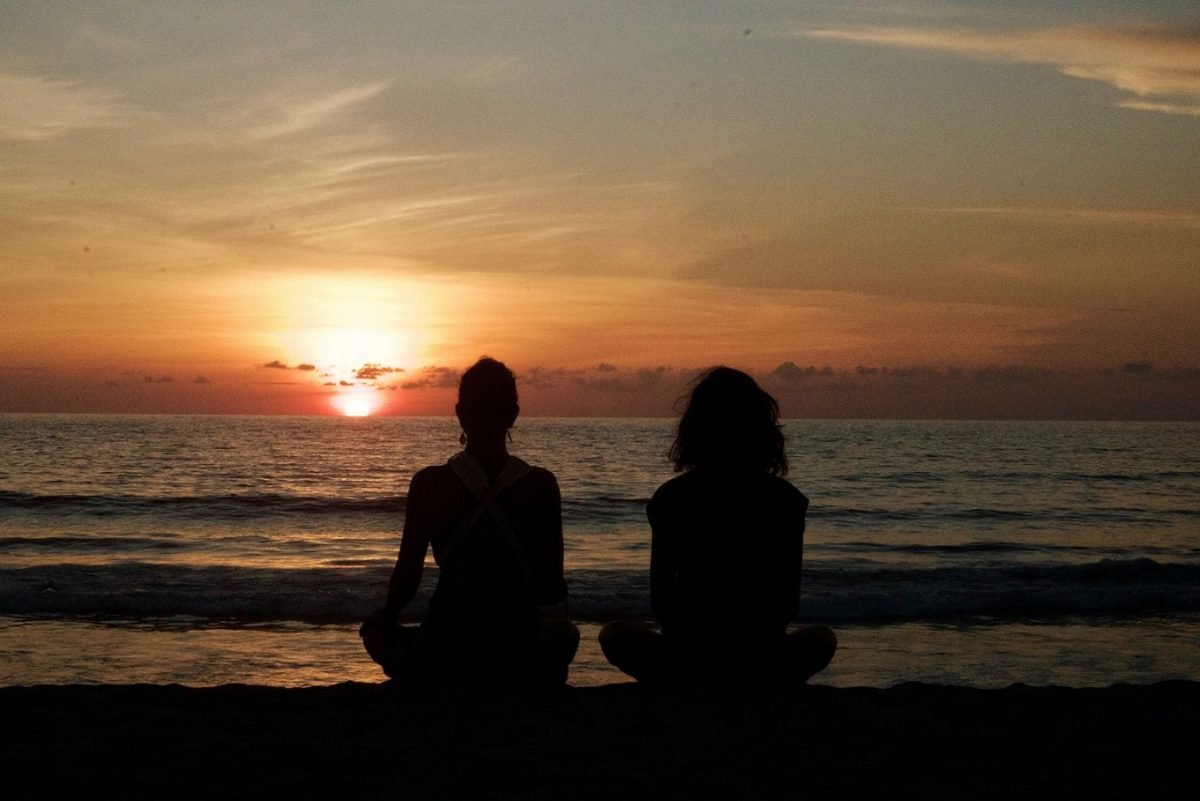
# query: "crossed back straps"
[473,477]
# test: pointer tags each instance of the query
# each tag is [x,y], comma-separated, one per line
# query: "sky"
[893,209]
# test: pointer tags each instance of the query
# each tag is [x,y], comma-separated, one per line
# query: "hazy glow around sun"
[355,405]
[342,322]
[350,348]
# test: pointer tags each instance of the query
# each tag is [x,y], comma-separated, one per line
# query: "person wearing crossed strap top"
[495,525]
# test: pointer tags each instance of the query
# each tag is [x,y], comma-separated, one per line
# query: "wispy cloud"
[296,116]
[1163,108]
[37,107]
[1150,218]
[1159,65]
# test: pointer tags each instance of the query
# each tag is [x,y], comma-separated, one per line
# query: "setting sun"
[355,405]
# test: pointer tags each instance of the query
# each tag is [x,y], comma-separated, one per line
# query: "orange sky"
[913,209]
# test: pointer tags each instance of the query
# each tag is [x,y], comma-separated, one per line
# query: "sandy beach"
[616,741]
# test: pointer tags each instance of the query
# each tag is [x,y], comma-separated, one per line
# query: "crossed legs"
[639,650]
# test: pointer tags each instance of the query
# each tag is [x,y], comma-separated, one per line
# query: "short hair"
[487,395]
[729,422]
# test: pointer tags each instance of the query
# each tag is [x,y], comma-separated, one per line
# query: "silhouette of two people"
[727,537]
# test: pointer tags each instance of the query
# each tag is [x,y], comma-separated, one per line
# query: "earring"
[462,438]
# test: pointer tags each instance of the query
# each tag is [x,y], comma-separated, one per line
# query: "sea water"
[208,550]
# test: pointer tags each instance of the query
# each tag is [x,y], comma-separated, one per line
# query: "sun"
[357,402]
[356,407]
[357,337]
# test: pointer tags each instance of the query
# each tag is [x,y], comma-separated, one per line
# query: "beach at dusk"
[252,255]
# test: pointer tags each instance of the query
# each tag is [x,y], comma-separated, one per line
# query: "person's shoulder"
[434,487]
[536,483]
[675,495]
[433,472]
[679,485]
[540,477]
[781,484]
[787,491]
[434,476]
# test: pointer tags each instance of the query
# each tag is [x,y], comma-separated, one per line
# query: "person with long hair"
[495,525]
[726,545]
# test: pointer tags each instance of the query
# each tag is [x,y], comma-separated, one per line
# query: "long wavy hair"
[729,423]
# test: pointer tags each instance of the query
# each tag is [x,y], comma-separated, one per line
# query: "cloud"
[22,369]
[1004,391]
[544,377]
[275,364]
[603,378]
[999,391]
[1163,108]
[1179,374]
[434,378]
[1159,65]
[162,379]
[373,372]
[200,380]
[1148,218]
[790,371]
[1012,372]
[1137,368]
[615,380]
[298,115]
[36,107]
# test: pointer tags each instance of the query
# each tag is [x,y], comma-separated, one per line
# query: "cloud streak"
[1160,65]
[1149,218]
[37,107]
[314,112]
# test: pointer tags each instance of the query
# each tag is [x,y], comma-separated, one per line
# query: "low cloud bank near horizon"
[1131,390]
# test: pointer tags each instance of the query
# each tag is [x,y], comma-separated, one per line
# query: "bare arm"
[552,586]
[662,569]
[790,560]
[414,542]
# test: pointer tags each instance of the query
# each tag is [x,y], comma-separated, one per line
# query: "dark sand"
[612,742]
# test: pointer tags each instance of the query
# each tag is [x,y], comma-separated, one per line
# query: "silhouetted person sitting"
[725,556]
[495,524]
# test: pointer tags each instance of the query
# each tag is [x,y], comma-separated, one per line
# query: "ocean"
[214,550]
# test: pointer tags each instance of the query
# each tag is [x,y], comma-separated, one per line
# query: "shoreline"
[1077,654]
[617,740]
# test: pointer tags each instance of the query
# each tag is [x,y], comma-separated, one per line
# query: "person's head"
[487,398]
[730,423]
